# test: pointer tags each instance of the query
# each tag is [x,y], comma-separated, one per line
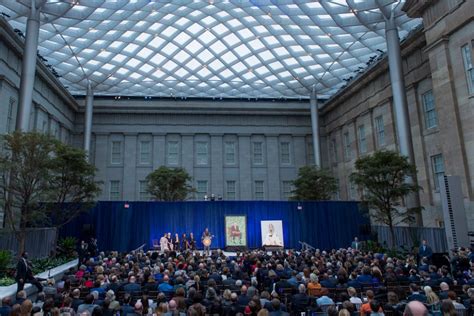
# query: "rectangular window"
[431,118]
[468,67]
[362,140]
[352,190]
[334,150]
[201,153]
[257,149]
[201,189]
[347,147]
[285,153]
[10,116]
[438,169]
[229,152]
[310,150]
[230,190]
[380,130]
[172,153]
[145,152]
[287,189]
[143,193]
[116,152]
[259,192]
[114,190]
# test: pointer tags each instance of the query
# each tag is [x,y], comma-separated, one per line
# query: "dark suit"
[425,251]
[25,275]
[300,302]
[417,297]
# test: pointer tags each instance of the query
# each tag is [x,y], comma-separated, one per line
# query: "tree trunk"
[21,241]
[392,236]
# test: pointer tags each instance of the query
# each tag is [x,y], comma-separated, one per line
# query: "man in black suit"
[300,301]
[24,274]
[425,251]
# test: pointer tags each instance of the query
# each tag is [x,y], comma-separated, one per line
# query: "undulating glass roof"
[210,48]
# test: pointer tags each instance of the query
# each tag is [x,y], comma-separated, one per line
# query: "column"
[400,103]
[272,156]
[217,165]
[88,118]
[245,174]
[130,185]
[28,69]
[315,126]
[101,160]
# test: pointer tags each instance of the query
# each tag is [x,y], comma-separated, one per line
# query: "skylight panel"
[133,62]
[193,64]
[182,38]
[169,32]
[144,53]
[231,40]
[252,61]
[208,20]
[131,48]
[242,50]
[205,56]
[216,65]
[245,34]
[181,72]
[194,46]
[157,59]
[143,37]
[169,49]
[181,56]
[229,57]
[170,65]
[218,47]
[266,55]
[207,37]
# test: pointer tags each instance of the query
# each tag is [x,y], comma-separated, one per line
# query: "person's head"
[344,312]
[301,289]
[21,295]
[263,312]
[172,305]
[26,307]
[392,298]
[351,291]
[6,301]
[424,242]
[89,299]
[414,287]
[76,293]
[24,255]
[452,295]
[356,239]
[375,306]
[415,308]
[313,278]
[447,308]
[67,302]
[444,286]
[276,304]
[370,294]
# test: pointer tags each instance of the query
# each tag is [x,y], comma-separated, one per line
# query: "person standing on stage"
[192,242]
[176,243]
[169,241]
[184,243]
[205,235]
[164,243]
[355,244]
[24,274]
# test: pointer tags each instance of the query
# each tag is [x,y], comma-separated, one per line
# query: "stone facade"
[54,108]
[440,108]
[237,150]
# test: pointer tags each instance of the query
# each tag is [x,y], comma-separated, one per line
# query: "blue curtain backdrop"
[321,224]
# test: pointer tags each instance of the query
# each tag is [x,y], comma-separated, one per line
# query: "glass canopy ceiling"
[210,48]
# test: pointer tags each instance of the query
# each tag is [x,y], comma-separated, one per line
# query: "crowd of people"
[343,282]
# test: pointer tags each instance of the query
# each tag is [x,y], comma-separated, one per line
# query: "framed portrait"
[236,231]
[272,233]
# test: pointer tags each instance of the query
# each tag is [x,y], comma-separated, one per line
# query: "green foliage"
[7,281]
[314,184]
[169,184]
[44,264]
[5,261]
[37,171]
[383,177]
[67,247]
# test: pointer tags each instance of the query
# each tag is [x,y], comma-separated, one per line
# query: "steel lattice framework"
[212,48]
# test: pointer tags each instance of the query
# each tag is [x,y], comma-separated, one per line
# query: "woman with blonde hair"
[431,297]
[161,309]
